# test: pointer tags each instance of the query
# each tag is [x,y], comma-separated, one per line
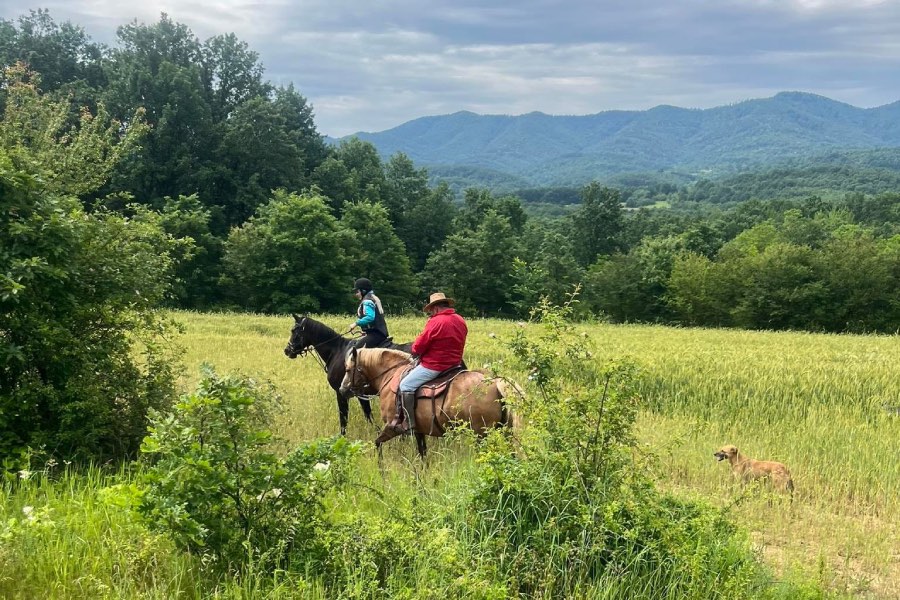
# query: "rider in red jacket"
[439,347]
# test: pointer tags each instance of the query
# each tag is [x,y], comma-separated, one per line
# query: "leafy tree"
[199,267]
[259,155]
[597,224]
[782,289]
[233,74]
[476,267]
[75,158]
[406,186]
[477,203]
[862,275]
[300,127]
[61,53]
[699,292]
[332,179]
[291,256]
[427,224]
[422,217]
[380,256]
[76,291]
[366,173]
[159,67]
[553,274]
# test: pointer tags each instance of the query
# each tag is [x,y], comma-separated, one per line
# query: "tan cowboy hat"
[435,298]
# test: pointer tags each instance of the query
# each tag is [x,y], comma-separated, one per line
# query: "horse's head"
[355,379]
[299,341]
[365,368]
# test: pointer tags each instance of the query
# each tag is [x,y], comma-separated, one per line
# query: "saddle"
[434,391]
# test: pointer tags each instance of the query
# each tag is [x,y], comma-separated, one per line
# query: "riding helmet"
[363,285]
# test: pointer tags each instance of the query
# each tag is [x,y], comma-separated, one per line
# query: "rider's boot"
[408,400]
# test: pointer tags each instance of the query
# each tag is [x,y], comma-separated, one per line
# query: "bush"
[77,298]
[219,489]
[567,505]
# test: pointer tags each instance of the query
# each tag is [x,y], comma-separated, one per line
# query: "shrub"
[567,505]
[77,298]
[219,489]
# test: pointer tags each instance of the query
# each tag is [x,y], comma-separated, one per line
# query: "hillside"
[539,150]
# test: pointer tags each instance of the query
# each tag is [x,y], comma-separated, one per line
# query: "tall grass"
[825,405]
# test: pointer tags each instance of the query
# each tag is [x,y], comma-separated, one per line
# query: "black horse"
[331,347]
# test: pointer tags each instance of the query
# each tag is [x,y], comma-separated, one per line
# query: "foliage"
[74,158]
[422,216]
[476,267]
[568,504]
[597,224]
[292,256]
[199,267]
[217,486]
[62,53]
[77,292]
[380,256]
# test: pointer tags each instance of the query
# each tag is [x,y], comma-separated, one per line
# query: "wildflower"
[24,474]
[273,493]
[27,511]
[492,335]
[322,466]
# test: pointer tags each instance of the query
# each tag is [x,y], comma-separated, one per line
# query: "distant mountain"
[543,150]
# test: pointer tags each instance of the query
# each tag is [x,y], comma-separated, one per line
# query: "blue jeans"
[417,377]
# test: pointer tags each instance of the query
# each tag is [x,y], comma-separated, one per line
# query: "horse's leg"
[420,445]
[343,410]
[366,407]
[388,433]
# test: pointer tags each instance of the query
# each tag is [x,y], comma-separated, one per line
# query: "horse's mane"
[317,328]
[380,357]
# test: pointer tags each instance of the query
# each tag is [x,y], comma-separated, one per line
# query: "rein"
[306,349]
[358,370]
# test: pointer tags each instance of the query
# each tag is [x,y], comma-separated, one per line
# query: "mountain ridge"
[545,149]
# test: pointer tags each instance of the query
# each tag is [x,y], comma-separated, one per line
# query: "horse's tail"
[509,416]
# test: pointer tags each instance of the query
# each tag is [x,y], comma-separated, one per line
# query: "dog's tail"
[790,487]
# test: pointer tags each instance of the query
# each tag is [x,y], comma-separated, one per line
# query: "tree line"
[272,219]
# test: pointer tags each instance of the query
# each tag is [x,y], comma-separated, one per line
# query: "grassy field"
[825,405]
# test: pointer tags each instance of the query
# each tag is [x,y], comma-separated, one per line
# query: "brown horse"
[471,397]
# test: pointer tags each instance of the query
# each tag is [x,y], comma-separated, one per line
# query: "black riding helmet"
[363,285]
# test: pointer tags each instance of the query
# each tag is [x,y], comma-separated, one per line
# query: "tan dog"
[749,470]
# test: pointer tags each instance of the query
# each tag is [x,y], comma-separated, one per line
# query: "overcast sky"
[369,65]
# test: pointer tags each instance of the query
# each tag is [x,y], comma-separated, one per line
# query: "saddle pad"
[435,387]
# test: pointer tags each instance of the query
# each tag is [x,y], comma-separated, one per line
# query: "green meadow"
[828,406]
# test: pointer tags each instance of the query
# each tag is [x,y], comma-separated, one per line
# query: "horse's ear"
[297,318]
[353,354]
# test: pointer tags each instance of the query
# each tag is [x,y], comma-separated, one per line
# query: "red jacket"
[440,345]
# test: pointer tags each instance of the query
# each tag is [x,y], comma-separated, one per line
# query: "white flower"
[27,510]
[273,493]
[24,474]
[492,335]
[322,467]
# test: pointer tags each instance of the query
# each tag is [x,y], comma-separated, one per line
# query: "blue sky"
[371,65]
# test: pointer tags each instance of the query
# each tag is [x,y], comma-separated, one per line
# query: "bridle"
[367,385]
[292,349]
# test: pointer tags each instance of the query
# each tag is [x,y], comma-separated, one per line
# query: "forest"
[270,218]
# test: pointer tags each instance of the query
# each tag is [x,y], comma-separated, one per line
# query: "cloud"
[373,65]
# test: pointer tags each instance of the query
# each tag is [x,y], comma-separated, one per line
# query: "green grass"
[819,403]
